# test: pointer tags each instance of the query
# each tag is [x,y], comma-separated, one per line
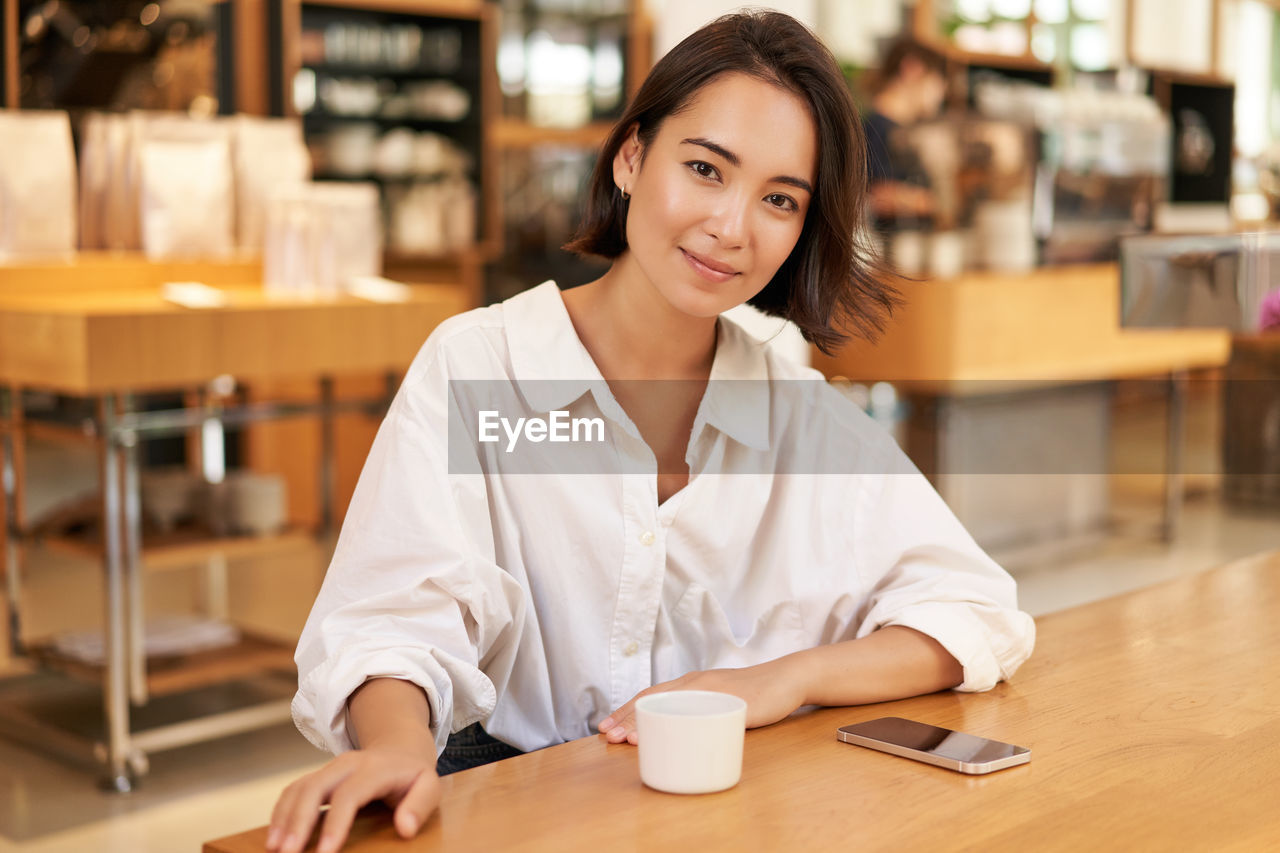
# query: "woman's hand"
[404,779]
[771,690]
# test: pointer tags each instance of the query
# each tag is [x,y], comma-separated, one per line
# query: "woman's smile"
[709,269]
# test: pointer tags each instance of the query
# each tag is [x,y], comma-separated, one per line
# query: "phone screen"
[935,740]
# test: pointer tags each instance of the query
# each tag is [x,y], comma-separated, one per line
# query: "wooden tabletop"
[1153,720]
[90,341]
[1051,324]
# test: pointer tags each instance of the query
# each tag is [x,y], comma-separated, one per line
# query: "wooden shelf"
[1189,78]
[251,655]
[319,119]
[996,60]
[185,546]
[513,133]
[436,8]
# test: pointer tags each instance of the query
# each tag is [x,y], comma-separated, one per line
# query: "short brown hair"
[832,280]
[904,49]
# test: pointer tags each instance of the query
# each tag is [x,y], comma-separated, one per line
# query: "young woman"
[736,525]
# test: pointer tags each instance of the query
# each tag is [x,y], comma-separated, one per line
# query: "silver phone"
[935,745]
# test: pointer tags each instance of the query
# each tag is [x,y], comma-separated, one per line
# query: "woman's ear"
[626,163]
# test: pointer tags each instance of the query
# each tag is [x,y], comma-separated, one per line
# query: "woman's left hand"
[771,690]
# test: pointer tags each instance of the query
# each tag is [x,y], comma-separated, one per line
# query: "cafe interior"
[227,226]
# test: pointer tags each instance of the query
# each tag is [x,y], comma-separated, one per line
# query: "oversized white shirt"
[539,600]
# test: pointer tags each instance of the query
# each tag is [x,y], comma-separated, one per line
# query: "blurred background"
[1079,199]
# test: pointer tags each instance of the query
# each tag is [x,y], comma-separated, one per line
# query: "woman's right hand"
[404,779]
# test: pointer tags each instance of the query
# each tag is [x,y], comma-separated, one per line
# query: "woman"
[737,526]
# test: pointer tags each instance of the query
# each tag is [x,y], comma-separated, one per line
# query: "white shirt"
[537,603]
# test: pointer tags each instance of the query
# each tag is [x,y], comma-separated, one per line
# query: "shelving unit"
[187,546]
[98,329]
[541,168]
[397,49]
[252,655]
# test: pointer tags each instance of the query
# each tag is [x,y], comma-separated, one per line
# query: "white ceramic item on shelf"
[167,496]
[907,252]
[351,148]
[257,503]
[947,253]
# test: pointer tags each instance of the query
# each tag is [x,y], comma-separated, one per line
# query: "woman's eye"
[783,202]
[703,170]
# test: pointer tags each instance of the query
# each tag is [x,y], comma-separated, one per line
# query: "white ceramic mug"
[257,503]
[690,740]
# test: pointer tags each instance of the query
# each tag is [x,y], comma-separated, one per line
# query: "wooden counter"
[1151,719]
[92,342]
[104,271]
[1056,323]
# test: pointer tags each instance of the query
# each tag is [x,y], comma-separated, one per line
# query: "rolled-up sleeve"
[926,572]
[413,591]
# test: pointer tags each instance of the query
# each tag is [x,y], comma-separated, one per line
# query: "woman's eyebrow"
[735,160]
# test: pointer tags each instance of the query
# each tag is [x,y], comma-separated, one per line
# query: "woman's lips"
[705,271]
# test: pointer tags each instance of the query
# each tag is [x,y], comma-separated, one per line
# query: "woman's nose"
[729,221]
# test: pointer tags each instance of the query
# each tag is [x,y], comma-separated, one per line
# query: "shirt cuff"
[987,656]
[320,705]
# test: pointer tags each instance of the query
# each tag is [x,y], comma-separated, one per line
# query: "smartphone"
[935,745]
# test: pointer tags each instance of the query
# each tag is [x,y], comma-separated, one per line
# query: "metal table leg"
[136,644]
[327,466]
[1173,483]
[10,414]
[115,691]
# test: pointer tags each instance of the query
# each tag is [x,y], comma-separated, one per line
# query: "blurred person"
[910,88]
[472,612]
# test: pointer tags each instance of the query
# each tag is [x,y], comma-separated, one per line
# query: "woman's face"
[721,197]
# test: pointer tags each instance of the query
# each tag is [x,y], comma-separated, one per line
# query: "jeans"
[472,747]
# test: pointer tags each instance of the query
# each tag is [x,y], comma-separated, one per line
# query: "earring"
[625,195]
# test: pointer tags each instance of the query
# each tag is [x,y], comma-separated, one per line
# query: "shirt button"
[646,538]
[631,648]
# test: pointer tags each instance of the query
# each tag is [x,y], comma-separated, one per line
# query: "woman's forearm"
[891,663]
[391,711]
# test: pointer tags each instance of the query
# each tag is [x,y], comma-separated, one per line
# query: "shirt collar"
[544,346]
[549,362]
[737,398]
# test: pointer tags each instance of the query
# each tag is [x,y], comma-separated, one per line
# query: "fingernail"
[290,844]
[273,836]
[411,825]
[607,723]
[617,731]
[326,845]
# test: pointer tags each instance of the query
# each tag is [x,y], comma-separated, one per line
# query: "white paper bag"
[268,153]
[38,210]
[187,205]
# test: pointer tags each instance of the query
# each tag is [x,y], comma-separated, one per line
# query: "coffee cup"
[690,740]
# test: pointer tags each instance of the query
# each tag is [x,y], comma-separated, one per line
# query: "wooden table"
[1153,720]
[99,327]
[133,340]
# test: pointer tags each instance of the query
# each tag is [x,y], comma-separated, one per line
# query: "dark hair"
[902,50]
[832,279]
